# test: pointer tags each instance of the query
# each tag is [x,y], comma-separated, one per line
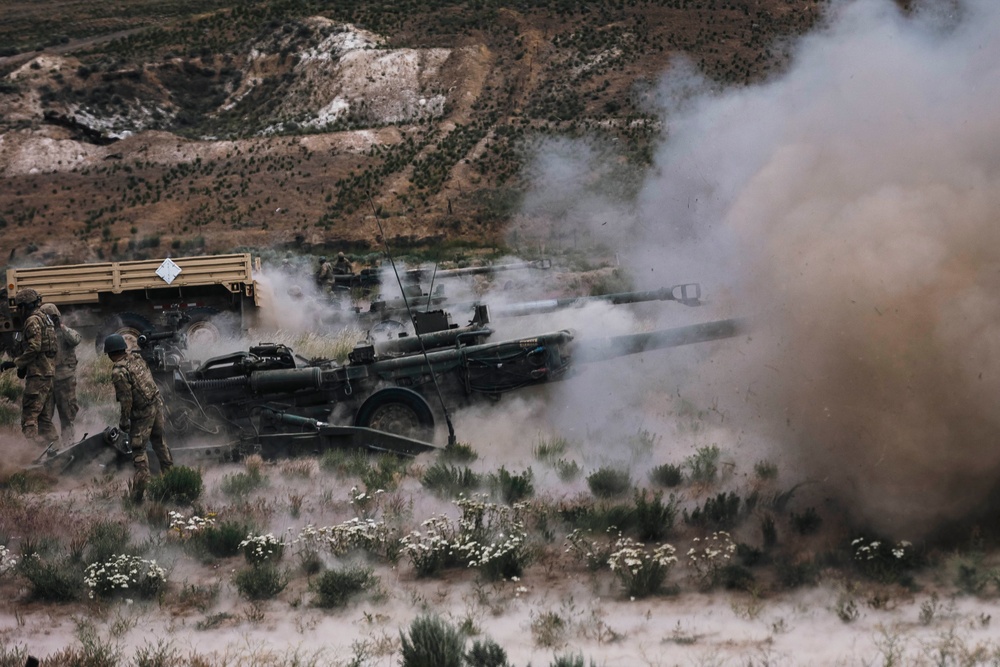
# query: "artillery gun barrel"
[619,346]
[688,294]
[437,339]
[443,360]
[477,270]
[278,381]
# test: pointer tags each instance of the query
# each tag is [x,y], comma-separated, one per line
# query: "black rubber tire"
[209,326]
[399,411]
[129,325]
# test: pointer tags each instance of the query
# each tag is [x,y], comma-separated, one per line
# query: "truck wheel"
[129,325]
[399,411]
[209,326]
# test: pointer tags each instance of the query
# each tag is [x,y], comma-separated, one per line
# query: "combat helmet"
[50,310]
[27,296]
[114,343]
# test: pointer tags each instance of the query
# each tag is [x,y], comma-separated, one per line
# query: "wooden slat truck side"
[217,293]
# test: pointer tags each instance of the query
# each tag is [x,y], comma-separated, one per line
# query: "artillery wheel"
[129,325]
[208,326]
[399,411]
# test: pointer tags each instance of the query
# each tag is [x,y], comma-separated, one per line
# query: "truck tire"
[399,411]
[209,326]
[129,325]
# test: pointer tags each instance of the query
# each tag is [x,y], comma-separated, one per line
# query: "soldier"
[64,384]
[36,366]
[142,410]
[343,265]
[325,274]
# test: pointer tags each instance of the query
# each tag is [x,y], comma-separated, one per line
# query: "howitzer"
[385,384]
[271,401]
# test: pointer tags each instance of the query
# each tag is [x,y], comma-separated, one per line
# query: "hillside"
[209,126]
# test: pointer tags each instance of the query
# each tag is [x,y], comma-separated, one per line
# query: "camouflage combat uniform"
[142,413]
[37,363]
[325,274]
[343,266]
[64,386]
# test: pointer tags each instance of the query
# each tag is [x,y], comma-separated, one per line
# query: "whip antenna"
[452,441]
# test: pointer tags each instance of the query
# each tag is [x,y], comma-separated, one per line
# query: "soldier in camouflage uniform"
[324,277]
[142,414]
[64,384]
[36,365]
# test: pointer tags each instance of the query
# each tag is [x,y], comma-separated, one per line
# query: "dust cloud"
[848,208]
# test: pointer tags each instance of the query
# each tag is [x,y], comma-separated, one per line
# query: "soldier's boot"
[141,477]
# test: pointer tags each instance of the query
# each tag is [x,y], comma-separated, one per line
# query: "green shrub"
[721,511]
[609,482]
[242,484]
[27,481]
[385,474]
[335,587]
[486,653]
[512,487]
[11,390]
[431,642]
[567,470]
[448,480]
[459,452]
[601,517]
[262,582]
[703,465]
[794,575]
[179,484]
[106,539]
[260,549]
[52,580]
[641,572]
[808,522]
[765,470]
[768,531]
[222,539]
[570,660]
[345,462]
[653,518]
[884,561]
[551,450]
[667,475]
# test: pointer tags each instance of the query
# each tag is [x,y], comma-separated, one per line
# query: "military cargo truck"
[209,296]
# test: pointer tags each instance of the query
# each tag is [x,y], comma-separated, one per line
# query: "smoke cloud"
[848,208]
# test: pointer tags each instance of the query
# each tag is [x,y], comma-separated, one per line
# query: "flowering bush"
[883,560]
[432,548]
[492,537]
[641,572]
[260,549]
[186,527]
[7,560]
[367,534]
[487,536]
[594,553]
[124,573]
[709,556]
[365,503]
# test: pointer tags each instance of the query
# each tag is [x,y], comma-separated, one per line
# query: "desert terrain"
[819,489]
